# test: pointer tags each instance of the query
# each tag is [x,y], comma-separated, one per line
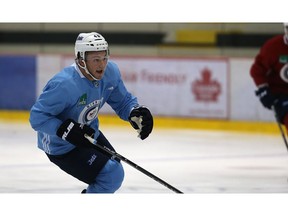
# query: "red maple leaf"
[205,89]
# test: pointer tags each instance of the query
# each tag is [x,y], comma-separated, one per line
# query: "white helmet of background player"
[86,42]
[286,31]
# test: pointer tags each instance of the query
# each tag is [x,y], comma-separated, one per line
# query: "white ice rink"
[193,161]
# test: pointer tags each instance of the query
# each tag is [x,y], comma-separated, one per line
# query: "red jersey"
[271,65]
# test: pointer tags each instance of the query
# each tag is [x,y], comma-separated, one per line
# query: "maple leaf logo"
[205,89]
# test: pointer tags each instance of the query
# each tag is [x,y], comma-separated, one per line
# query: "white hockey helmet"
[286,30]
[92,41]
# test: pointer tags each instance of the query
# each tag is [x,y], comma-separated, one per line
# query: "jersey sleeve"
[43,114]
[262,64]
[121,100]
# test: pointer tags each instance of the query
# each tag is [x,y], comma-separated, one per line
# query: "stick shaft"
[280,127]
[120,157]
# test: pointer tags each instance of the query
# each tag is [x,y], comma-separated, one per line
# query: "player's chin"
[98,75]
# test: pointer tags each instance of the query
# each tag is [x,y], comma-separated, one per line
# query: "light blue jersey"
[70,95]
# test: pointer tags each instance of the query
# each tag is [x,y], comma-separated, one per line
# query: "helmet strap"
[86,69]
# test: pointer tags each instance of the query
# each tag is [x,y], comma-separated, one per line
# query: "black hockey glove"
[73,132]
[281,108]
[266,98]
[141,119]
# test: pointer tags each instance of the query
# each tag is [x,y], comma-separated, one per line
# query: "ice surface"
[193,161]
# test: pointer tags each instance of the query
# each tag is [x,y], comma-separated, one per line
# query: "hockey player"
[270,74]
[68,108]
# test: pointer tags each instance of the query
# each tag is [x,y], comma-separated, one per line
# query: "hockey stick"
[280,127]
[120,157]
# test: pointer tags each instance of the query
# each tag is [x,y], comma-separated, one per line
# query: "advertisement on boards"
[187,87]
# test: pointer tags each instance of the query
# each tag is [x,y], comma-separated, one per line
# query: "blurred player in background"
[68,108]
[270,74]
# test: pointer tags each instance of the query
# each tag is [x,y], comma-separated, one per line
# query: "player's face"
[96,63]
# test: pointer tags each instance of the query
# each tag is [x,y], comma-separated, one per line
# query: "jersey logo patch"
[284,73]
[82,100]
[283,59]
[90,112]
